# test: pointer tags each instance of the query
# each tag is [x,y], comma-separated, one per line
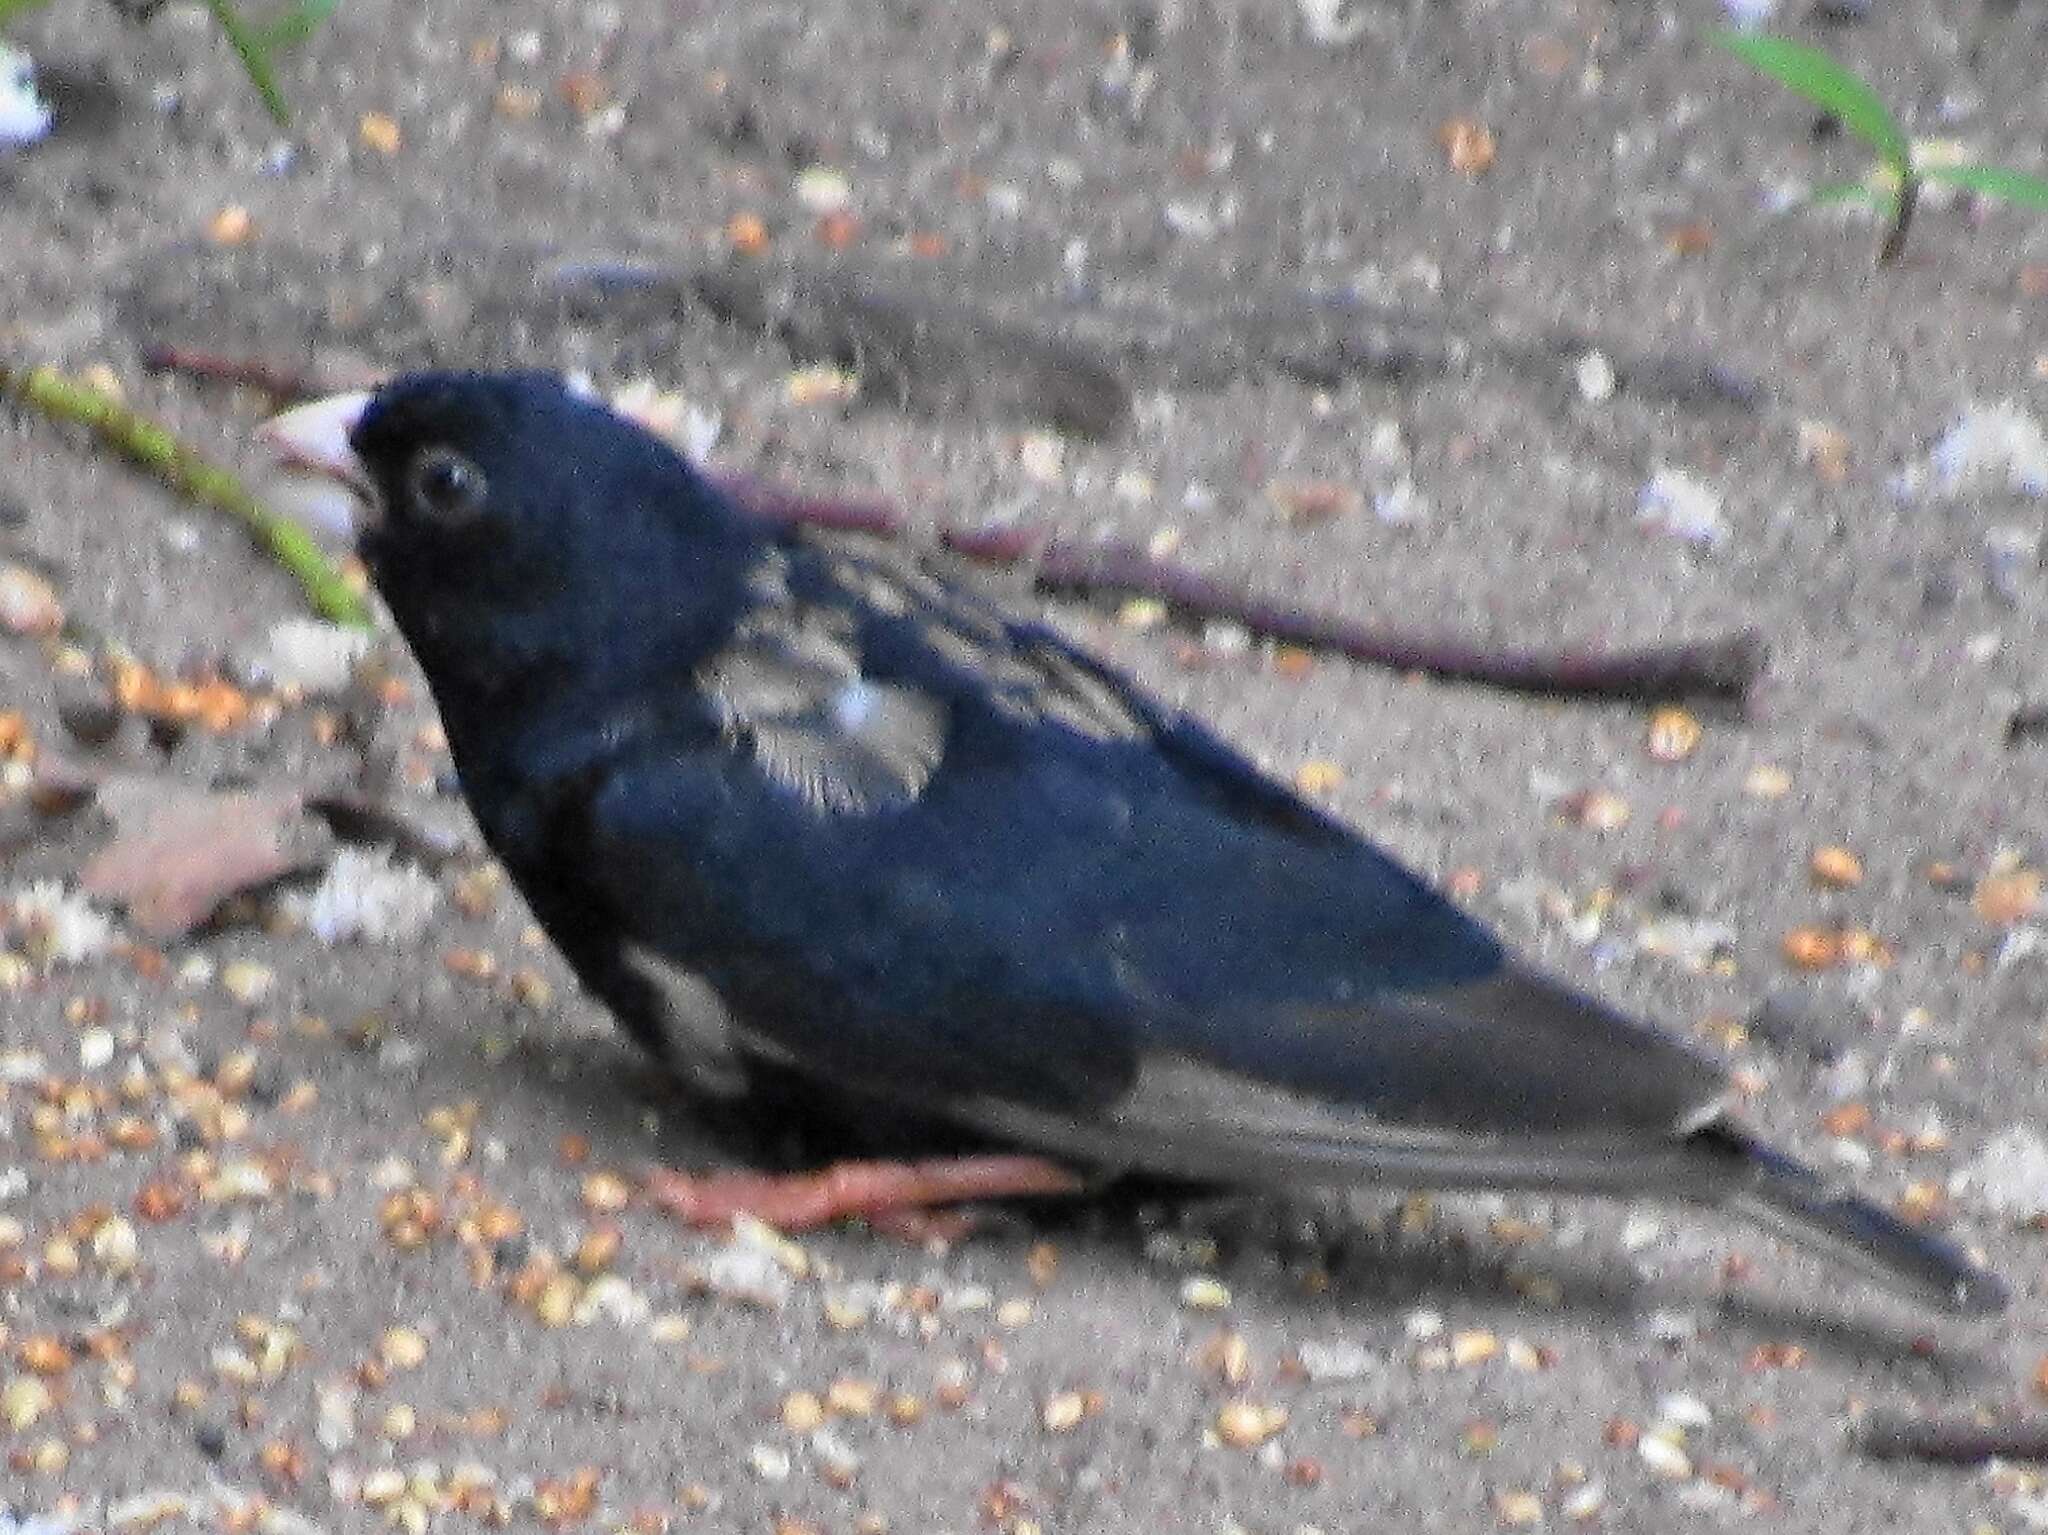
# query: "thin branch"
[285,385]
[778,504]
[1954,1441]
[1723,668]
[190,474]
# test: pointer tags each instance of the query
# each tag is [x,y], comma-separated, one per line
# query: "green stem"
[1902,216]
[255,57]
[191,475]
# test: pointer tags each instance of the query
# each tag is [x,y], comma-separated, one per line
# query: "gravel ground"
[298,1233]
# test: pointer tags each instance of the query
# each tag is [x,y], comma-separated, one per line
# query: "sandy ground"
[344,1141]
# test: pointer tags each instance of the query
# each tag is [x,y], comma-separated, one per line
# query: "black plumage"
[796,810]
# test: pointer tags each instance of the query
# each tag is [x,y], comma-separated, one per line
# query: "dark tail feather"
[1798,1204]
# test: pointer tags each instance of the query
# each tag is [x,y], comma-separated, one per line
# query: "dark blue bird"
[802,812]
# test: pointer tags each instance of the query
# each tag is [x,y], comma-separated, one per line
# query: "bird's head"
[507,519]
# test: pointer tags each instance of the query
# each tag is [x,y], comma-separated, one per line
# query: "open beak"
[320,483]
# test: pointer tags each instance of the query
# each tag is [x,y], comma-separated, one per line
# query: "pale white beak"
[320,483]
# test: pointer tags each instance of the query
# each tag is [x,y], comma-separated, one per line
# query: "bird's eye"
[446,486]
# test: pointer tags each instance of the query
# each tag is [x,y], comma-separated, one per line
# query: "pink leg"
[884,1190]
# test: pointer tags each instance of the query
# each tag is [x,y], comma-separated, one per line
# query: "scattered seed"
[2009,897]
[1846,1119]
[1470,1348]
[1812,948]
[584,92]
[904,1410]
[599,1248]
[402,1348]
[28,603]
[378,131]
[1245,1425]
[232,225]
[1681,1411]
[1663,1456]
[1595,809]
[1041,1263]
[1518,1510]
[606,1192]
[1826,449]
[802,1412]
[746,233]
[1582,1503]
[24,1400]
[1922,1202]
[1836,867]
[1306,503]
[1673,735]
[115,1246]
[246,981]
[1767,782]
[848,1398]
[1063,1412]
[1318,777]
[1469,145]
[556,1302]
[44,1354]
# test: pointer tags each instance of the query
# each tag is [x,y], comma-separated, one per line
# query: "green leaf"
[297,24]
[1817,77]
[1993,181]
[9,9]
[255,57]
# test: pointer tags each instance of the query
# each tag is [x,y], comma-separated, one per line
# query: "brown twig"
[282,383]
[1953,1441]
[1723,668]
[778,504]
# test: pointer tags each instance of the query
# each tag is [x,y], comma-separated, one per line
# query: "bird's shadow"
[1302,1257]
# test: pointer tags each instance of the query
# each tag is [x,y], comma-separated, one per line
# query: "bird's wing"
[938,852]
[1037,675]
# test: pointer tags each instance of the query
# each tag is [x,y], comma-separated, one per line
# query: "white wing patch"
[794,697]
[790,688]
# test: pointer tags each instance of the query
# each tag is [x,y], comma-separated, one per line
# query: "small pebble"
[1201,1293]
[1663,1456]
[1682,505]
[246,981]
[1594,375]
[1336,1361]
[29,604]
[1683,1411]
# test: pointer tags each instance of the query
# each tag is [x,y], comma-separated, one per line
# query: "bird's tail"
[1800,1205]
